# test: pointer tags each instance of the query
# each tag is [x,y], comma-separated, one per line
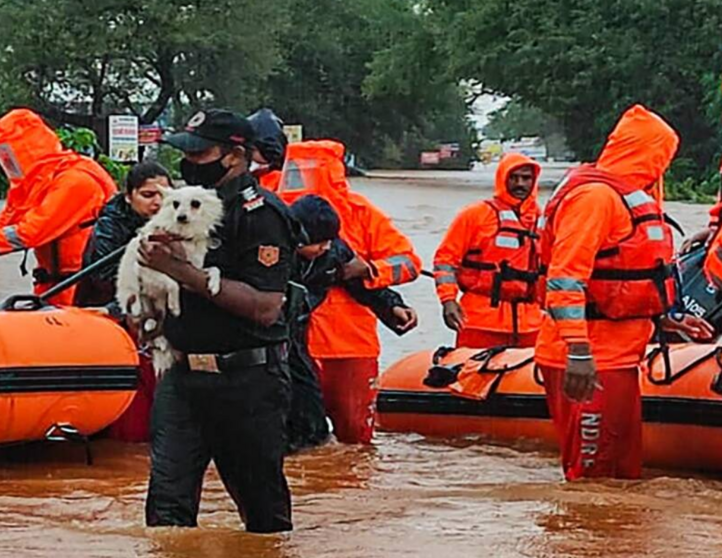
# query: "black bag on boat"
[697,295]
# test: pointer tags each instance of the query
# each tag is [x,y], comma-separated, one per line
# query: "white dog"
[190,213]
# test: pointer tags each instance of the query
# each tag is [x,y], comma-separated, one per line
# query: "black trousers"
[307,424]
[236,418]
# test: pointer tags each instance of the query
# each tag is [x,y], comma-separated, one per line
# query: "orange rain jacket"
[475,226]
[591,218]
[54,197]
[270,180]
[341,327]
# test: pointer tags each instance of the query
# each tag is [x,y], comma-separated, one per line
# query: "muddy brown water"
[405,496]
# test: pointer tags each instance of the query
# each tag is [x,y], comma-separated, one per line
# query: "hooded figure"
[607,251]
[489,254]
[342,333]
[270,148]
[55,195]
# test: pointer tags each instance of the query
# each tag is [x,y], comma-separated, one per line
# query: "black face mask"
[206,174]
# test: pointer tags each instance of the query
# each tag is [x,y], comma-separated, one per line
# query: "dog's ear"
[164,190]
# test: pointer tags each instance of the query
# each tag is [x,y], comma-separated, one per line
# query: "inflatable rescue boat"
[64,372]
[498,393]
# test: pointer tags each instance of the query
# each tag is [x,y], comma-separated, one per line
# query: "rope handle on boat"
[669,378]
[23,302]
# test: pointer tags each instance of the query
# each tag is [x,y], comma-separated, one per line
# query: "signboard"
[123,138]
[149,134]
[294,133]
[448,150]
[430,157]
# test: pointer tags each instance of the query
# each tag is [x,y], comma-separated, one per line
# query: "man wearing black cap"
[228,396]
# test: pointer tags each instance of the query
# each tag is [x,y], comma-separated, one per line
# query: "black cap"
[212,127]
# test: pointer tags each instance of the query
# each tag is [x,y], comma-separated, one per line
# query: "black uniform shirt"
[257,247]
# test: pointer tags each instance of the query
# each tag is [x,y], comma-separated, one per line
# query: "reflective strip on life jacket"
[637,198]
[655,234]
[11,235]
[398,265]
[507,242]
[507,215]
[632,279]
[567,284]
[567,312]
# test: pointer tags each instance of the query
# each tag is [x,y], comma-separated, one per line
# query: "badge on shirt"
[254,204]
[269,255]
[252,198]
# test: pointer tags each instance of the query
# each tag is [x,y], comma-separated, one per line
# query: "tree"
[77,61]
[346,76]
[322,63]
[585,61]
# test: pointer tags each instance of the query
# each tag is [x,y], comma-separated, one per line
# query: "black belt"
[244,358]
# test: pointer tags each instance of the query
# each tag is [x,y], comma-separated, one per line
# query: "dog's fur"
[191,213]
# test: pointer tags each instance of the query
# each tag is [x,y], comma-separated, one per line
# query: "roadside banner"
[123,138]
[149,134]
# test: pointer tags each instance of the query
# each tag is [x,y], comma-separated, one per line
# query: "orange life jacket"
[504,266]
[635,278]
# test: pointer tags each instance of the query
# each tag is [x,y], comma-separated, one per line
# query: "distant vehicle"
[533,147]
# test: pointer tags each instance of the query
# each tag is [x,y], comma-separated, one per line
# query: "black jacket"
[117,224]
[319,275]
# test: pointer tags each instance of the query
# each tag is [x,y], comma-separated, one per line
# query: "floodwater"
[404,496]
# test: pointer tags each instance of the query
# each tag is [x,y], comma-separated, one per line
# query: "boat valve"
[66,432]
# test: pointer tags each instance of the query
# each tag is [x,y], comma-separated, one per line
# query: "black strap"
[481,266]
[655,273]
[647,218]
[24,264]
[674,224]
[607,253]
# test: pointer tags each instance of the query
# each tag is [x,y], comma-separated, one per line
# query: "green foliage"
[679,185]
[342,69]
[82,140]
[85,141]
[344,77]
[3,185]
[118,171]
[170,158]
[71,57]
[516,120]
[584,62]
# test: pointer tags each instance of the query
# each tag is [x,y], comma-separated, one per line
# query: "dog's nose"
[182,218]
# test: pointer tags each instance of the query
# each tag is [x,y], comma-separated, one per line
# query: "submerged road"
[407,496]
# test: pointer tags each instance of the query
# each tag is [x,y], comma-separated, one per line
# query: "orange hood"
[29,153]
[317,167]
[528,209]
[640,149]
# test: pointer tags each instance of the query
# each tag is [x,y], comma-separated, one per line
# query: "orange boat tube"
[62,370]
[500,395]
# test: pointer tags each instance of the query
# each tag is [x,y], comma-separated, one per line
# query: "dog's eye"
[195,204]
[176,204]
